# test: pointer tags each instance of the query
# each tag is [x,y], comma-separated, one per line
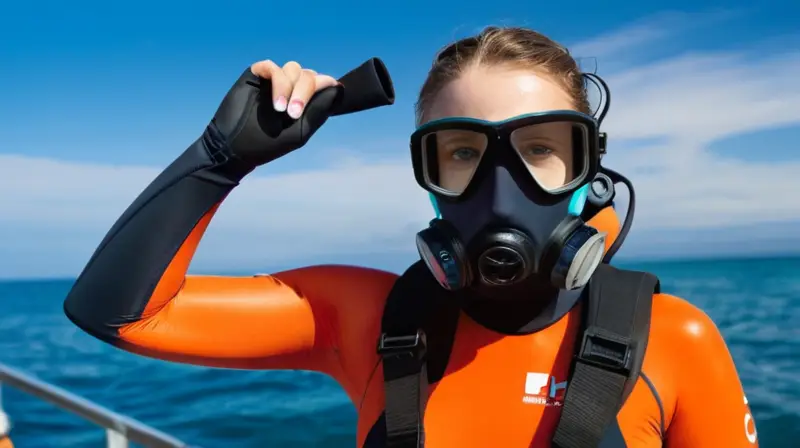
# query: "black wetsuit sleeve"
[116,284]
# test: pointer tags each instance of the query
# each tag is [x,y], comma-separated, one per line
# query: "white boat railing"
[120,430]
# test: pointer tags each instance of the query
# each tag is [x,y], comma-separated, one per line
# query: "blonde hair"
[518,47]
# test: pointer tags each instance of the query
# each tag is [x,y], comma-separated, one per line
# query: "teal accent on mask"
[435,205]
[578,200]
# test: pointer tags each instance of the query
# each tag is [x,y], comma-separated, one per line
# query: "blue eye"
[465,154]
[537,151]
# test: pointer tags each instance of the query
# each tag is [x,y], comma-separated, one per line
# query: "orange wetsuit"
[134,294]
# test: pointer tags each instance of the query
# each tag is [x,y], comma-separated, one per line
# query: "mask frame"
[499,146]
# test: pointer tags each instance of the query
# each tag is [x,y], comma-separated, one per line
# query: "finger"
[263,68]
[281,85]
[304,88]
[292,71]
[324,81]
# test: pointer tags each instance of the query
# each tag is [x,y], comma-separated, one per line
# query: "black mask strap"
[605,95]
[601,195]
[628,222]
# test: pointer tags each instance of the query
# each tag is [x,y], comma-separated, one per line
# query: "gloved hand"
[271,110]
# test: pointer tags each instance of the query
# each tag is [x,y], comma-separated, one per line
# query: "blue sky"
[96,98]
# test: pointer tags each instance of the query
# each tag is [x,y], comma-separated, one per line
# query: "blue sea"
[755,303]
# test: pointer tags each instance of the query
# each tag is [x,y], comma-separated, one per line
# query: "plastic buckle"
[602,141]
[414,345]
[606,351]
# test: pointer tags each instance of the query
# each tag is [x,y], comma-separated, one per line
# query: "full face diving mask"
[509,197]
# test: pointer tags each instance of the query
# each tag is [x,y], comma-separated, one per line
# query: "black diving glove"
[247,131]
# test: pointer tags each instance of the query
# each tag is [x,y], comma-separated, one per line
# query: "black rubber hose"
[365,87]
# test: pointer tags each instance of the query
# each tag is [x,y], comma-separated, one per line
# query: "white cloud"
[683,103]
[635,35]
[690,102]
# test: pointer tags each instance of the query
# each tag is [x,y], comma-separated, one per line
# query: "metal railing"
[119,429]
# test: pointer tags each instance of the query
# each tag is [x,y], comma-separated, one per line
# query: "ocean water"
[755,303]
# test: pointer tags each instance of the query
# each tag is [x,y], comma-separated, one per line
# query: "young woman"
[507,147]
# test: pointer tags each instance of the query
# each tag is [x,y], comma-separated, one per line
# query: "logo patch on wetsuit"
[543,389]
[751,434]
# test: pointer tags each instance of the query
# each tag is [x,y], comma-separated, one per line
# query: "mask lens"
[450,158]
[556,153]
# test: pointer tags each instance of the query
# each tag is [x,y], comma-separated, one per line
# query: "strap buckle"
[606,351]
[602,141]
[413,345]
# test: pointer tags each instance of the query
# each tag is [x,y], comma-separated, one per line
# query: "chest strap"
[609,354]
[418,328]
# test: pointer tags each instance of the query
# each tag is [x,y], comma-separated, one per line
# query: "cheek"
[567,167]
[556,173]
[454,176]
[553,177]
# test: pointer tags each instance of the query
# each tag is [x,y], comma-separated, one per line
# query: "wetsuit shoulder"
[355,298]
[694,377]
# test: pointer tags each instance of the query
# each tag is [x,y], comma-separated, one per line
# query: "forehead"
[498,93]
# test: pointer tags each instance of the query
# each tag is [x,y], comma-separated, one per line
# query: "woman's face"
[495,94]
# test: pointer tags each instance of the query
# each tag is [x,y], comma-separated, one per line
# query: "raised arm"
[134,294]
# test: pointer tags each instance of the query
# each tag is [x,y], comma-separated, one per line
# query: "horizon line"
[628,260]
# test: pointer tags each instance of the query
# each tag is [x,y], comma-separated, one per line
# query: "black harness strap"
[417,330]
[419,325]
[609,356]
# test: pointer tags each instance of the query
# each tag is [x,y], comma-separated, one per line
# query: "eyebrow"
[447,137]
[542,137]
